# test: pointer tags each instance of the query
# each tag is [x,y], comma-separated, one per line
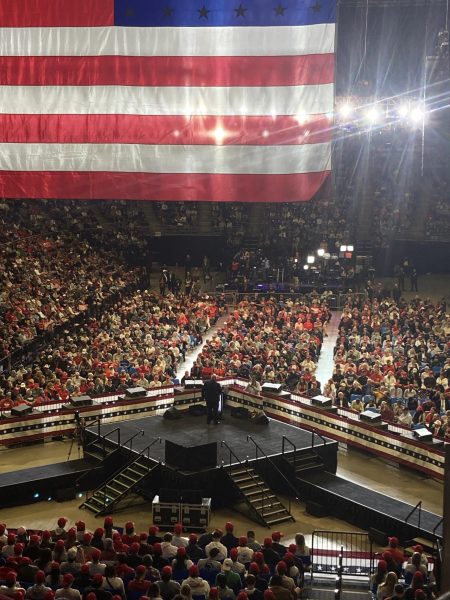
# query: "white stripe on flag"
[129,100]
[166,159]
[167,41]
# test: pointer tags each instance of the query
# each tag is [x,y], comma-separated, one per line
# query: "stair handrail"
[123,467]
[103,438]
[286,439]
[140,432]
[247,468]
[417,506]
[436,526]
[315,432]
[268,459]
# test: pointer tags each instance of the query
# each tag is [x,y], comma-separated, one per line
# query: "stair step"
[271,522]
[282,512]
[272,505]
[246,489]
[136,472]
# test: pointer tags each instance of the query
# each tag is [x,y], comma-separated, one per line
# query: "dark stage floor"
[193,431]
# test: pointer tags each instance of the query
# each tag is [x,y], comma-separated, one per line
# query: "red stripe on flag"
[56,13]
[208,71]
[152,186]
[168,130]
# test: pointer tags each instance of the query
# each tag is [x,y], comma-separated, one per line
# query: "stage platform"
[192,431]
[365,508]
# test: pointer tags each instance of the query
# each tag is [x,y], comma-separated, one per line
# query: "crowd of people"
[139,341]
[124,564]
[121,563]
[268,340]
[395,357]
[177,214]
[50,274]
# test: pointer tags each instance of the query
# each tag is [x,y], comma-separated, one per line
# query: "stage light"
[219,134]
[350,248]
[403,111]
[296,260]
[373,114]
[343,249]
[306,267]
[320,252]
[310,259]
[49,499]
[36,495]
[80,495]
[345,110]
[301,117]
[417,115]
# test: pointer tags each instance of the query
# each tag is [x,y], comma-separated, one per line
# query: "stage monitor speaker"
[21,410]
[169,495]
[316,510]
[172,414]
[322,401]
[422,434]
[272,388]
[191,458]
[63,494]
[135,392]
[78,401]
[371,417]
[193,383]
[379,537]
[197,410]
[261,418]
[239,412]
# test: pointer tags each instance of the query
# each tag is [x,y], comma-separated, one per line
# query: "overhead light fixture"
[310,260]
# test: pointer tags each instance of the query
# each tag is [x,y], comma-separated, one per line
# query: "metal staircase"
[122,482]
[260,501]
[301,462]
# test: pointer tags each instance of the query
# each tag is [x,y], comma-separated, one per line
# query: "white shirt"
[168,550]
[223,552]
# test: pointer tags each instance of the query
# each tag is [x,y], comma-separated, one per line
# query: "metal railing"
[116,473]
[274,466]
[314,432]
[244,465]
[356,549]
[285,439]
[340,572]
[435,528]
[418,506]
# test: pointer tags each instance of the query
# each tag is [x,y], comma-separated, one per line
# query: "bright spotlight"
[36,495]
[350,248]
[403,111]
[301,117]
[345,110]
[417,115]
[310,259]
[373,114]
[320,252]
[343,249]
[219,134]
[306,267]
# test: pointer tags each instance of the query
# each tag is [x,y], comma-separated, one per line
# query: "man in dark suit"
[211,393]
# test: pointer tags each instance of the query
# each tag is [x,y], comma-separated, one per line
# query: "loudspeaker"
[135,392]
[197,410]
[239,412]
[272,388]
[422,434]
[78,401]
[369,416]
[379,537]
[316,510]
[193,383]
[322,401]
[172,414]
[63,494]
[261,418]
[21,410]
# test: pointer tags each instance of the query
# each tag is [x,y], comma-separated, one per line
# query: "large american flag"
[224,100]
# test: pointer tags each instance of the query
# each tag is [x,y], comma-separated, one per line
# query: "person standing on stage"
[211,393]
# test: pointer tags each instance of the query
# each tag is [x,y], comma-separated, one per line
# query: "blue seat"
[355,397]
